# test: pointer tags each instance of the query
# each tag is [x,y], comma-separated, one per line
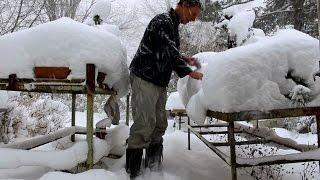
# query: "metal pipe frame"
[231,118]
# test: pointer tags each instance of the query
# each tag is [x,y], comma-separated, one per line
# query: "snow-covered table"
[73,86]
[233,128]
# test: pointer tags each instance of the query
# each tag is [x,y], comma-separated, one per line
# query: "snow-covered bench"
[263,136]
[83,51]
[73,86]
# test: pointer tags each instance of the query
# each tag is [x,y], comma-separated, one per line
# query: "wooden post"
[232,143]
[12,85]
[128,110]
[90,84]
[73,114]
[189,144]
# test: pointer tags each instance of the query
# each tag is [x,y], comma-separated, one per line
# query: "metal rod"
[231,141]
[279,161]
[217,132]
[256,141]
[211,125]
[179,122]
[189,144]
[222,155]
[128,110]
[73,114]
[90,82]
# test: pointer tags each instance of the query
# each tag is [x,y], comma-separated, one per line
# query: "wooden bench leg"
[73,114]
[90,83]
[231,140]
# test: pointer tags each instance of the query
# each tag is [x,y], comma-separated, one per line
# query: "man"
[158,55]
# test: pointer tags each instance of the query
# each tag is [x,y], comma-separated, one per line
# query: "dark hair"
[190,2]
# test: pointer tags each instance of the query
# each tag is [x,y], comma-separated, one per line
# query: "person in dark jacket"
[150,71]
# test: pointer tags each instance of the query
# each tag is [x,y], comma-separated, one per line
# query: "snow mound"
[65,42]
[174,102]
[239,25]
[259,76]
[97,174]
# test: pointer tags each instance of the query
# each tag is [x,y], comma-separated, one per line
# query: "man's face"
[190,13]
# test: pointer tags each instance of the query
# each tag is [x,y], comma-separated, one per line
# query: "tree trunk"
[298,14]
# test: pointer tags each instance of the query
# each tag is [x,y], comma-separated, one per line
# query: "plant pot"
[51,72]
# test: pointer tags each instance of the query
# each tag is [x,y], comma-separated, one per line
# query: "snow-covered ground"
[179,162]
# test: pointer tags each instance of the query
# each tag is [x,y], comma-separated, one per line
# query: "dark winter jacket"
[158,54]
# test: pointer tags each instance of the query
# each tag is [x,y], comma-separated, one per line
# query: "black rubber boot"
[154,157]
[133,162]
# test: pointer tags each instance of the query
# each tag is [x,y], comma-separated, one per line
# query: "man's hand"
[196,75]
[192,62]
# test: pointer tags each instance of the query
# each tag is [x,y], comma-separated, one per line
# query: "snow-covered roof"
[258,76]
[65,42]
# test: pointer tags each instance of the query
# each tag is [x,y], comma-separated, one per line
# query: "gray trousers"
[148,112]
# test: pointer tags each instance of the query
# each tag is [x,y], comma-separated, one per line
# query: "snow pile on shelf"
[259,76]
[174,102]
[64,159]
[187,87]
[65,42]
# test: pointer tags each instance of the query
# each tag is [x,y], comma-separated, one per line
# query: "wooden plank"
[55,88]
[272,114]
[40,80]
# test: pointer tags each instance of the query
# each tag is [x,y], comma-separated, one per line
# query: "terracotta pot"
[52,72]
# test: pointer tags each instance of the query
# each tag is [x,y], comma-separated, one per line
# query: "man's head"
[188,10]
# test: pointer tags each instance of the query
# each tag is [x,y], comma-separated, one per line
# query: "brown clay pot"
[51,72]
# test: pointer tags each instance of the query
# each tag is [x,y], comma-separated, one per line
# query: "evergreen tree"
[301,14]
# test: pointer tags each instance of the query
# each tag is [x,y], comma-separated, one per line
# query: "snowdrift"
[259,76]
[65,42]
